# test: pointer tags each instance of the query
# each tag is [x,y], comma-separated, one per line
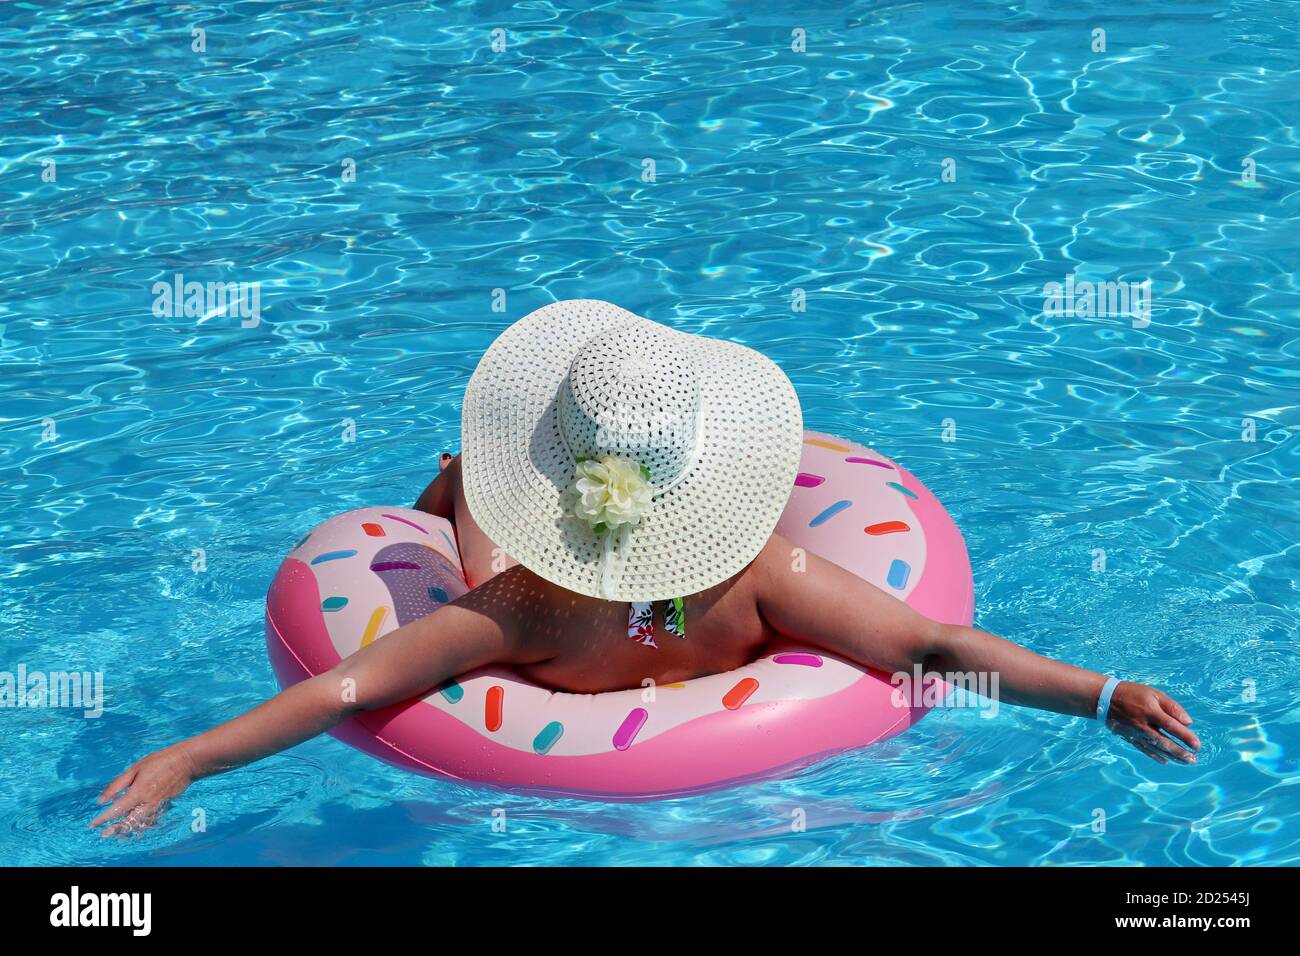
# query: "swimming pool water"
[1075,437]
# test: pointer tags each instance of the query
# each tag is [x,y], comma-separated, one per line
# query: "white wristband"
[1103,699]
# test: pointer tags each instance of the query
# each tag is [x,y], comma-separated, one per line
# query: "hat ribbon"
[613,559]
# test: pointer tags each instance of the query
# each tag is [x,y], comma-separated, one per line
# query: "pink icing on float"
[366,572]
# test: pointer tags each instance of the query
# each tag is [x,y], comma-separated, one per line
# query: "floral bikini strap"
[640,620]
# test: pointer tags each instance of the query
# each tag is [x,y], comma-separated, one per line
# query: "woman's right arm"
[404,664]
[824,604]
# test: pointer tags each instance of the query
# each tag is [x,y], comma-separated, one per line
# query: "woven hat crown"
[631,391]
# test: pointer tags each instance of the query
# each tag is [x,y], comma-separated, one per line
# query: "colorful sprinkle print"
[868,461]
[887,527]
[897,487]
[373,624]
[382,566]
[333,556]
[372,529]
[829,513]
[802,660]
[451,692]
[302,541]
[825,444]
[410,571]
[334,603]
[438,594]
[494,708]
[451,544]
[733,698]
[805,480]
[545,740]
[898,574]
[630,727]
[404,521]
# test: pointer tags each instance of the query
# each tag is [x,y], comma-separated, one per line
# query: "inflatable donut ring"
[360,575]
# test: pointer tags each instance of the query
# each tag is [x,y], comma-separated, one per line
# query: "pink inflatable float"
[360,575]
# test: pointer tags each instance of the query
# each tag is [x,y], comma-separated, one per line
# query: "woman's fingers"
[1147,738]
[141,817]
[147,784]
[1153,722]
[1157,746]
[123,804]
[1177,729]
[120,782]
[444,461]
[1172,748]
[1173,708]
[1141,744]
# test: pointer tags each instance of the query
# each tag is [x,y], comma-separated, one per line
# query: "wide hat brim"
[515,466]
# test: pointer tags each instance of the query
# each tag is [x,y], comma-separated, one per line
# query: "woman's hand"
[150,784]
[1139,713]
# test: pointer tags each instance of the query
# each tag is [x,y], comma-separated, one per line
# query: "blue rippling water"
[128,440]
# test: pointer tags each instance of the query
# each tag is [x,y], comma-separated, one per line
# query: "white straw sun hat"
[625,460]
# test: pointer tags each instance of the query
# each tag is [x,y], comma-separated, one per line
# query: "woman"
[632,476]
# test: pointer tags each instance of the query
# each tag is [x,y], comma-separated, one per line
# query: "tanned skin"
[571,642]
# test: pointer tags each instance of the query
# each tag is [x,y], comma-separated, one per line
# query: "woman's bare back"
[591,651]
[582,641]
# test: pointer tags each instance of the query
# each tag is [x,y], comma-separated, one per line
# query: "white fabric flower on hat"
[611,492]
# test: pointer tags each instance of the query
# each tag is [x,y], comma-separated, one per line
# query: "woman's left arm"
[440,497]
[481,627]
